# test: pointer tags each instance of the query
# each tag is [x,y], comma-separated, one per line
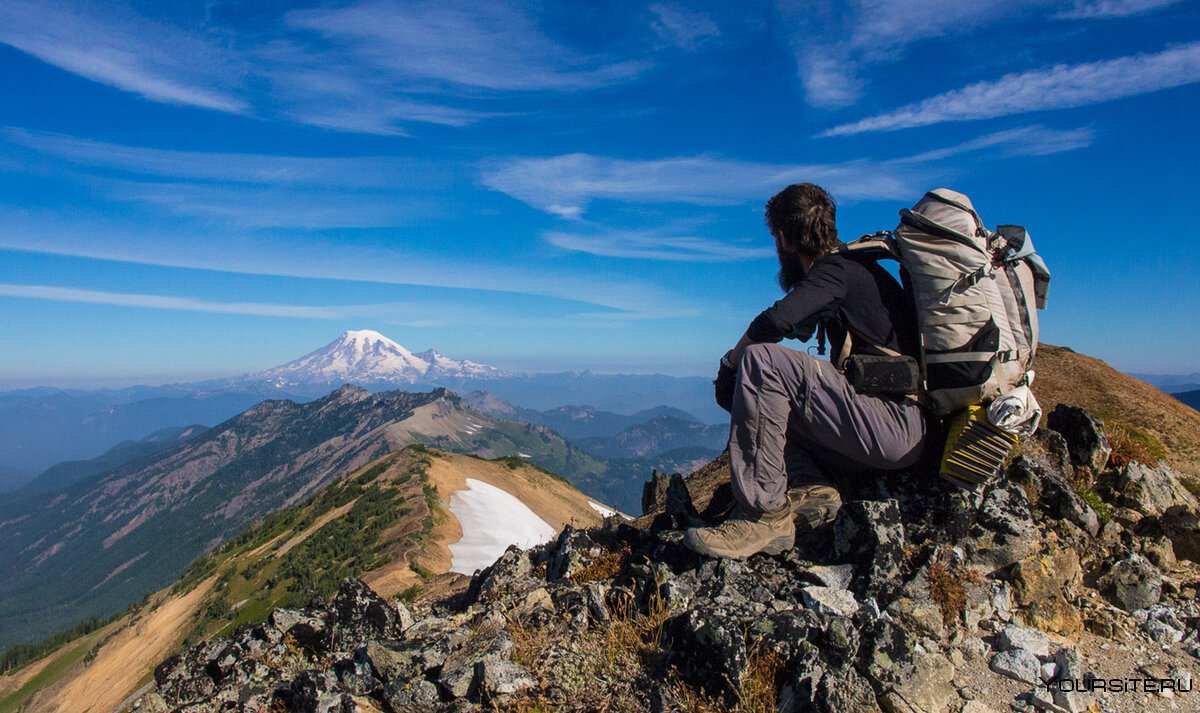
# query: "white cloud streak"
[187,304]
[156,61]
[373,66]
[1058,87]
[484,45]
[566,185]
[683,28]
[347,173]
[834,41]
[297,257]
[1103,9]
[654,245]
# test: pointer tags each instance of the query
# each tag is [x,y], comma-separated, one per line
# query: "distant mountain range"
[73,471]
[42,427]
[1191,398]
[107,539]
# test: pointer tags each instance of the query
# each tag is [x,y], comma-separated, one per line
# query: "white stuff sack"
[1017,412]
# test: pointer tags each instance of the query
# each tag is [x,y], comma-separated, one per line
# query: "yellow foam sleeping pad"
[975,449]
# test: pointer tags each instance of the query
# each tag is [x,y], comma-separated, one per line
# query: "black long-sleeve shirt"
[846,293]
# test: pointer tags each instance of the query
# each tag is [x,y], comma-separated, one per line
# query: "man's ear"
[781,243]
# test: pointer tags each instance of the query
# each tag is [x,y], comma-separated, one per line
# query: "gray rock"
[1018,664]
[836,576]
[667,494]
[1004,531]
[1070,669]
[1014,637]
[929,687]
[871,534]
[460,673]
[1152,491]
[502,677]
[843,689]
[1049,671]
[358,614]
[412,696]
[1132,583]
[829,601]
[1162,632]
[507,575]
[1002,601]
[1084,434]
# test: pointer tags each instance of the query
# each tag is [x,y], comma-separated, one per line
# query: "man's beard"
[790,270]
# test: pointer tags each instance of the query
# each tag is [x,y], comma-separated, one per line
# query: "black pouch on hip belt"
[885,375]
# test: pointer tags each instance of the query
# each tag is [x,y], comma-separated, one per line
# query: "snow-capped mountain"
[364,356]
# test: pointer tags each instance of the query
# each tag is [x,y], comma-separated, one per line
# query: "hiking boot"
[814,504]
[745,534]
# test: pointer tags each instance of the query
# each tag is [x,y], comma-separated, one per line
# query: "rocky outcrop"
[913,589]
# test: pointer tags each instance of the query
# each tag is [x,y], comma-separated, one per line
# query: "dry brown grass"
[1122,402]
[603,567]
[948,582]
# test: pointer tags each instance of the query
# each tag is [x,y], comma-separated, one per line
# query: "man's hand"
[724,384]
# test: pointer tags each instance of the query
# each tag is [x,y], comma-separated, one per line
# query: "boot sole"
[775,547]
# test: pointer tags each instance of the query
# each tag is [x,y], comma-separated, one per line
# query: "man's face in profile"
[791,268]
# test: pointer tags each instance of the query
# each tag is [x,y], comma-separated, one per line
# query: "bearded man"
[796,418]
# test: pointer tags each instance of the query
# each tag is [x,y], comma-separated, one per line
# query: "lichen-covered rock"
[668,494]
[1132,583]
[829,601]
[500,677]
[928,688]
[1014,637]
[1152,491]
[1084,434]
[871,535]
[1017,664]
[1043,588]
[358,614]
[460,673]
[1003,531]
[711,646]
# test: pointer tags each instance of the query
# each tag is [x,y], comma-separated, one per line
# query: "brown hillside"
[1165,426]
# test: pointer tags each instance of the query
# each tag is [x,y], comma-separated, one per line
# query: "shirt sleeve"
[795,316]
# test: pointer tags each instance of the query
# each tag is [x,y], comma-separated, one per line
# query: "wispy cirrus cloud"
[155,60]
[300,257]
[565,185]
[684,28]
[483,45]
[1097,9]
[372,66]
[186,304]
[666,244]
[266,169]
[834,41]
[245,190]
[1059,87]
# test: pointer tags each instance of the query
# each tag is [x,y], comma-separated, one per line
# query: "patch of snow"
[604,512]
[492,519]
[524,455]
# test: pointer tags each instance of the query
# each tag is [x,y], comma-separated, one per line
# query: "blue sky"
[197,189]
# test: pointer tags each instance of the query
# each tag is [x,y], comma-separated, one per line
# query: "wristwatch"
[727,362]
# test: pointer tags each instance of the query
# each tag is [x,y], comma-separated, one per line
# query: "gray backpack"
[976,293]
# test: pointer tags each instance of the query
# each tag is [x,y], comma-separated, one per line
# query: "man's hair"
[805,214]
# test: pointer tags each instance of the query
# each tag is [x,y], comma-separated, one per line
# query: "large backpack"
[976,294]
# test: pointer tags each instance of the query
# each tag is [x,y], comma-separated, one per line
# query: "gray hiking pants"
[788,402]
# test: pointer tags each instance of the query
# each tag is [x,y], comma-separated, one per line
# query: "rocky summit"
[1067,585]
